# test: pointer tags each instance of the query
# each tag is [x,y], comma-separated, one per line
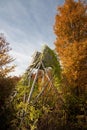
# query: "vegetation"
[52,93]
[71,45]
[71,42]
[7,84]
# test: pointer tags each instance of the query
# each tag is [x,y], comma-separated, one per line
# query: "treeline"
[52,93]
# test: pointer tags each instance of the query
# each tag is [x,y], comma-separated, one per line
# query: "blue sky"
[27,25]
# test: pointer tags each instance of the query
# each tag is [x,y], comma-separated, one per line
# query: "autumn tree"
[7,84]
[5,58]
[71,43]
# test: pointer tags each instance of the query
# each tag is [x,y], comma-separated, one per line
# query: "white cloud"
[22,61]
[27,25]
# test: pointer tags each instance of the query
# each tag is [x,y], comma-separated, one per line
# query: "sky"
[27,26]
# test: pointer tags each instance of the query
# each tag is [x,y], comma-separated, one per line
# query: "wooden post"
[33,84]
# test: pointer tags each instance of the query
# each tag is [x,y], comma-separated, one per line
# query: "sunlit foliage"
[5,58]
[71,42]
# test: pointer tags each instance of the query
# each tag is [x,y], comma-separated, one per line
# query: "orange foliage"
[5,58]
[71,42]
